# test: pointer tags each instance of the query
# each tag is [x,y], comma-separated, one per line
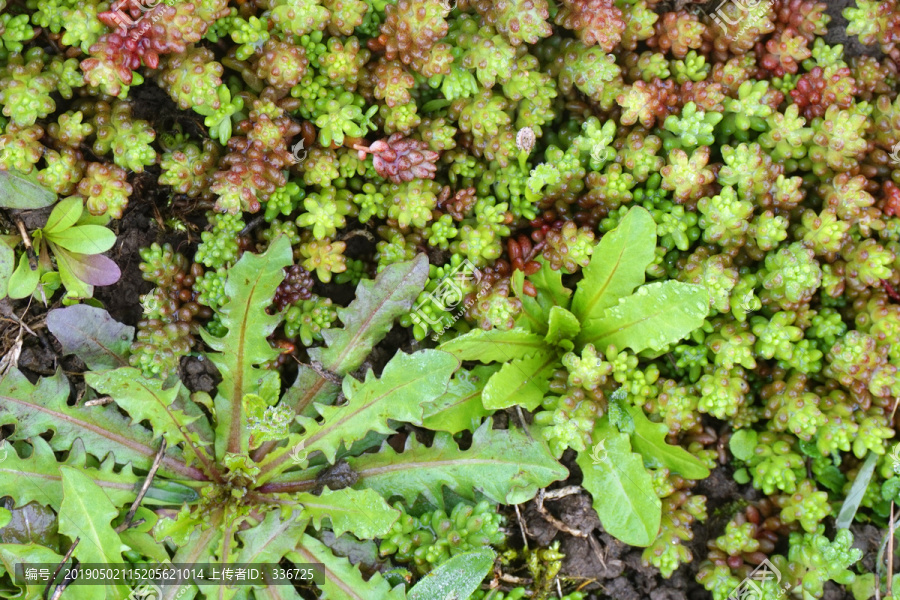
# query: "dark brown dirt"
[199,374]
[137,230]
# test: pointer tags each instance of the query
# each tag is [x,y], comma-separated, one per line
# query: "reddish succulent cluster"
[677,33]
[459,205]
[593,21]
[400,159]
[256,159]
[297,285]
[765,529]
[412,31]
[819,89]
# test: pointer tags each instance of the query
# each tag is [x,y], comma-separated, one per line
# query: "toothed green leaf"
[562,327]
[37,409]
[371,315]
[269,541]
[146,400]
[11,554]
[522,381]
[363,513]
[407,383]
[551,282]
[649,439]
[460,408]
[506,465]
[343,581]
[38,478]
[250,287]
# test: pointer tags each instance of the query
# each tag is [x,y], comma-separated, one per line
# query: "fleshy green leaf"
[655,316]
[7,266]
[23,281]
[460,408]
[562,326]
[65,214]
[343,581]
[18,191]
[621,487]
[84,239]
[649,439]
[504,464]
[371,315]
[37,409]
[86,513]
[250,287]
[364,513]
[457,578]
[743,444]
[522,381]
[617,265]
[99,340]
[145,400]
[407,383]
[495,345]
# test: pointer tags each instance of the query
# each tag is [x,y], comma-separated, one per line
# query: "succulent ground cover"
[489,299]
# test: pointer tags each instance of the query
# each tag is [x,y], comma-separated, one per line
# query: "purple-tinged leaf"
[99,340]
[93,269]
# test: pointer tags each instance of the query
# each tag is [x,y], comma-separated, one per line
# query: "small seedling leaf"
[18,191]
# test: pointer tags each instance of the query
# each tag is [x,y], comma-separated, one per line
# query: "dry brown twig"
[61,587]
[147,481]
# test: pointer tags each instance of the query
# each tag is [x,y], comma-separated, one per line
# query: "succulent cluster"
[662,232]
